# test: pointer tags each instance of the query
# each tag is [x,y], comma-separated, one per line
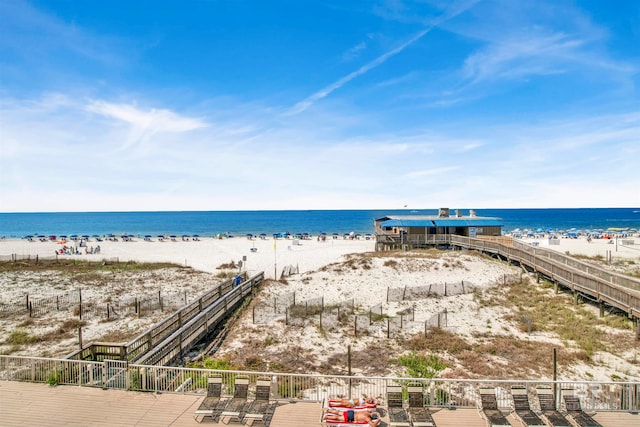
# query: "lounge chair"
[574,409]
[549,410]
[418,412]
[398,416]
[523,409]
[260,406]
[489,408]
[235,407]
[211,400]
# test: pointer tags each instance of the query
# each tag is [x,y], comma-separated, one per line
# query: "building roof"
[436,221]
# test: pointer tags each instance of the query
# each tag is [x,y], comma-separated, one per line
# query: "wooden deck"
[25,404]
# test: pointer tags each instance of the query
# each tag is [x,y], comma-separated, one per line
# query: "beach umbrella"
[85,236]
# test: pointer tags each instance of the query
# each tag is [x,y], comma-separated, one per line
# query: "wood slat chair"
[574,409]
[489,408]
[549,410]
[211,400]
[261,405]
[523,409]
[235,407]
[418,413]
[398,416]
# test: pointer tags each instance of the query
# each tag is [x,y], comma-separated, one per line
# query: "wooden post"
[388,327]
[320,319]
[80,307]
[286,316]
[387,294]
[80,337]
[253,315]
[27,301]
[30,309]
[637,328]
[160,301]
[107,310]
[185,297]
[355,326]
[57,303]
[601,308]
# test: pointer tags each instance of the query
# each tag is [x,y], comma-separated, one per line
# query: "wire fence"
[74,305]
[364,321]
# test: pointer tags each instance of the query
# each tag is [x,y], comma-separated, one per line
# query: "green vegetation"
[422,366]
[20,337]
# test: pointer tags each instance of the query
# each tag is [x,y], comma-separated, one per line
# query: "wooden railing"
[170,348]
[216,300]
[617,290]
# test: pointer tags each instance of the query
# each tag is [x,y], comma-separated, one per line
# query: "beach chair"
[261,405]
[398,416]
[211,400]
[549,410]
[418,413]
[489,408]
[523,409]
[574,409]
[234,407]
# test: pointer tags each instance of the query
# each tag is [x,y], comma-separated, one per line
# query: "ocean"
[210,223]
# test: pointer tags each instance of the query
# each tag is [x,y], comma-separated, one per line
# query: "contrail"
[306,103]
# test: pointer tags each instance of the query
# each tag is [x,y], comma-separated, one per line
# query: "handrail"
[620,396]
[618,290]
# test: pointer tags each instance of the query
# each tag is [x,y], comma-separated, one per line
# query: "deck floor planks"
[27,404]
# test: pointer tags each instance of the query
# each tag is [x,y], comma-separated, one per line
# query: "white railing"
[439,392]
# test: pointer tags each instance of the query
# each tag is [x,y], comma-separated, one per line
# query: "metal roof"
[443,222]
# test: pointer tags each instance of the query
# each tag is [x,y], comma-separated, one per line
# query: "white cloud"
[154,120]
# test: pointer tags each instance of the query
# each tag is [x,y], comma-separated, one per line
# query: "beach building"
[420,231]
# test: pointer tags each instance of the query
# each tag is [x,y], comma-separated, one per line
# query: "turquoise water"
[209,223]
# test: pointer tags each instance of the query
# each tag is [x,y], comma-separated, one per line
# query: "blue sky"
[237,104]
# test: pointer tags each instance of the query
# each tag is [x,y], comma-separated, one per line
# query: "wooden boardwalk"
[36,404]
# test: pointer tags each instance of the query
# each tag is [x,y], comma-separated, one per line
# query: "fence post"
[27,301]
[160,300]
[107,310]
[355,326]
[80,337]
[320,319]
[57,303]
[253,315]
[387,294]
[388,328]
[30,309]
[286,316]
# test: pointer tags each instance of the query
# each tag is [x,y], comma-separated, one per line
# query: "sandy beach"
[207,253]
[335,270]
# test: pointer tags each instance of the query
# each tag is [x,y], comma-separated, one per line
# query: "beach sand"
[336,270]
[207,254]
